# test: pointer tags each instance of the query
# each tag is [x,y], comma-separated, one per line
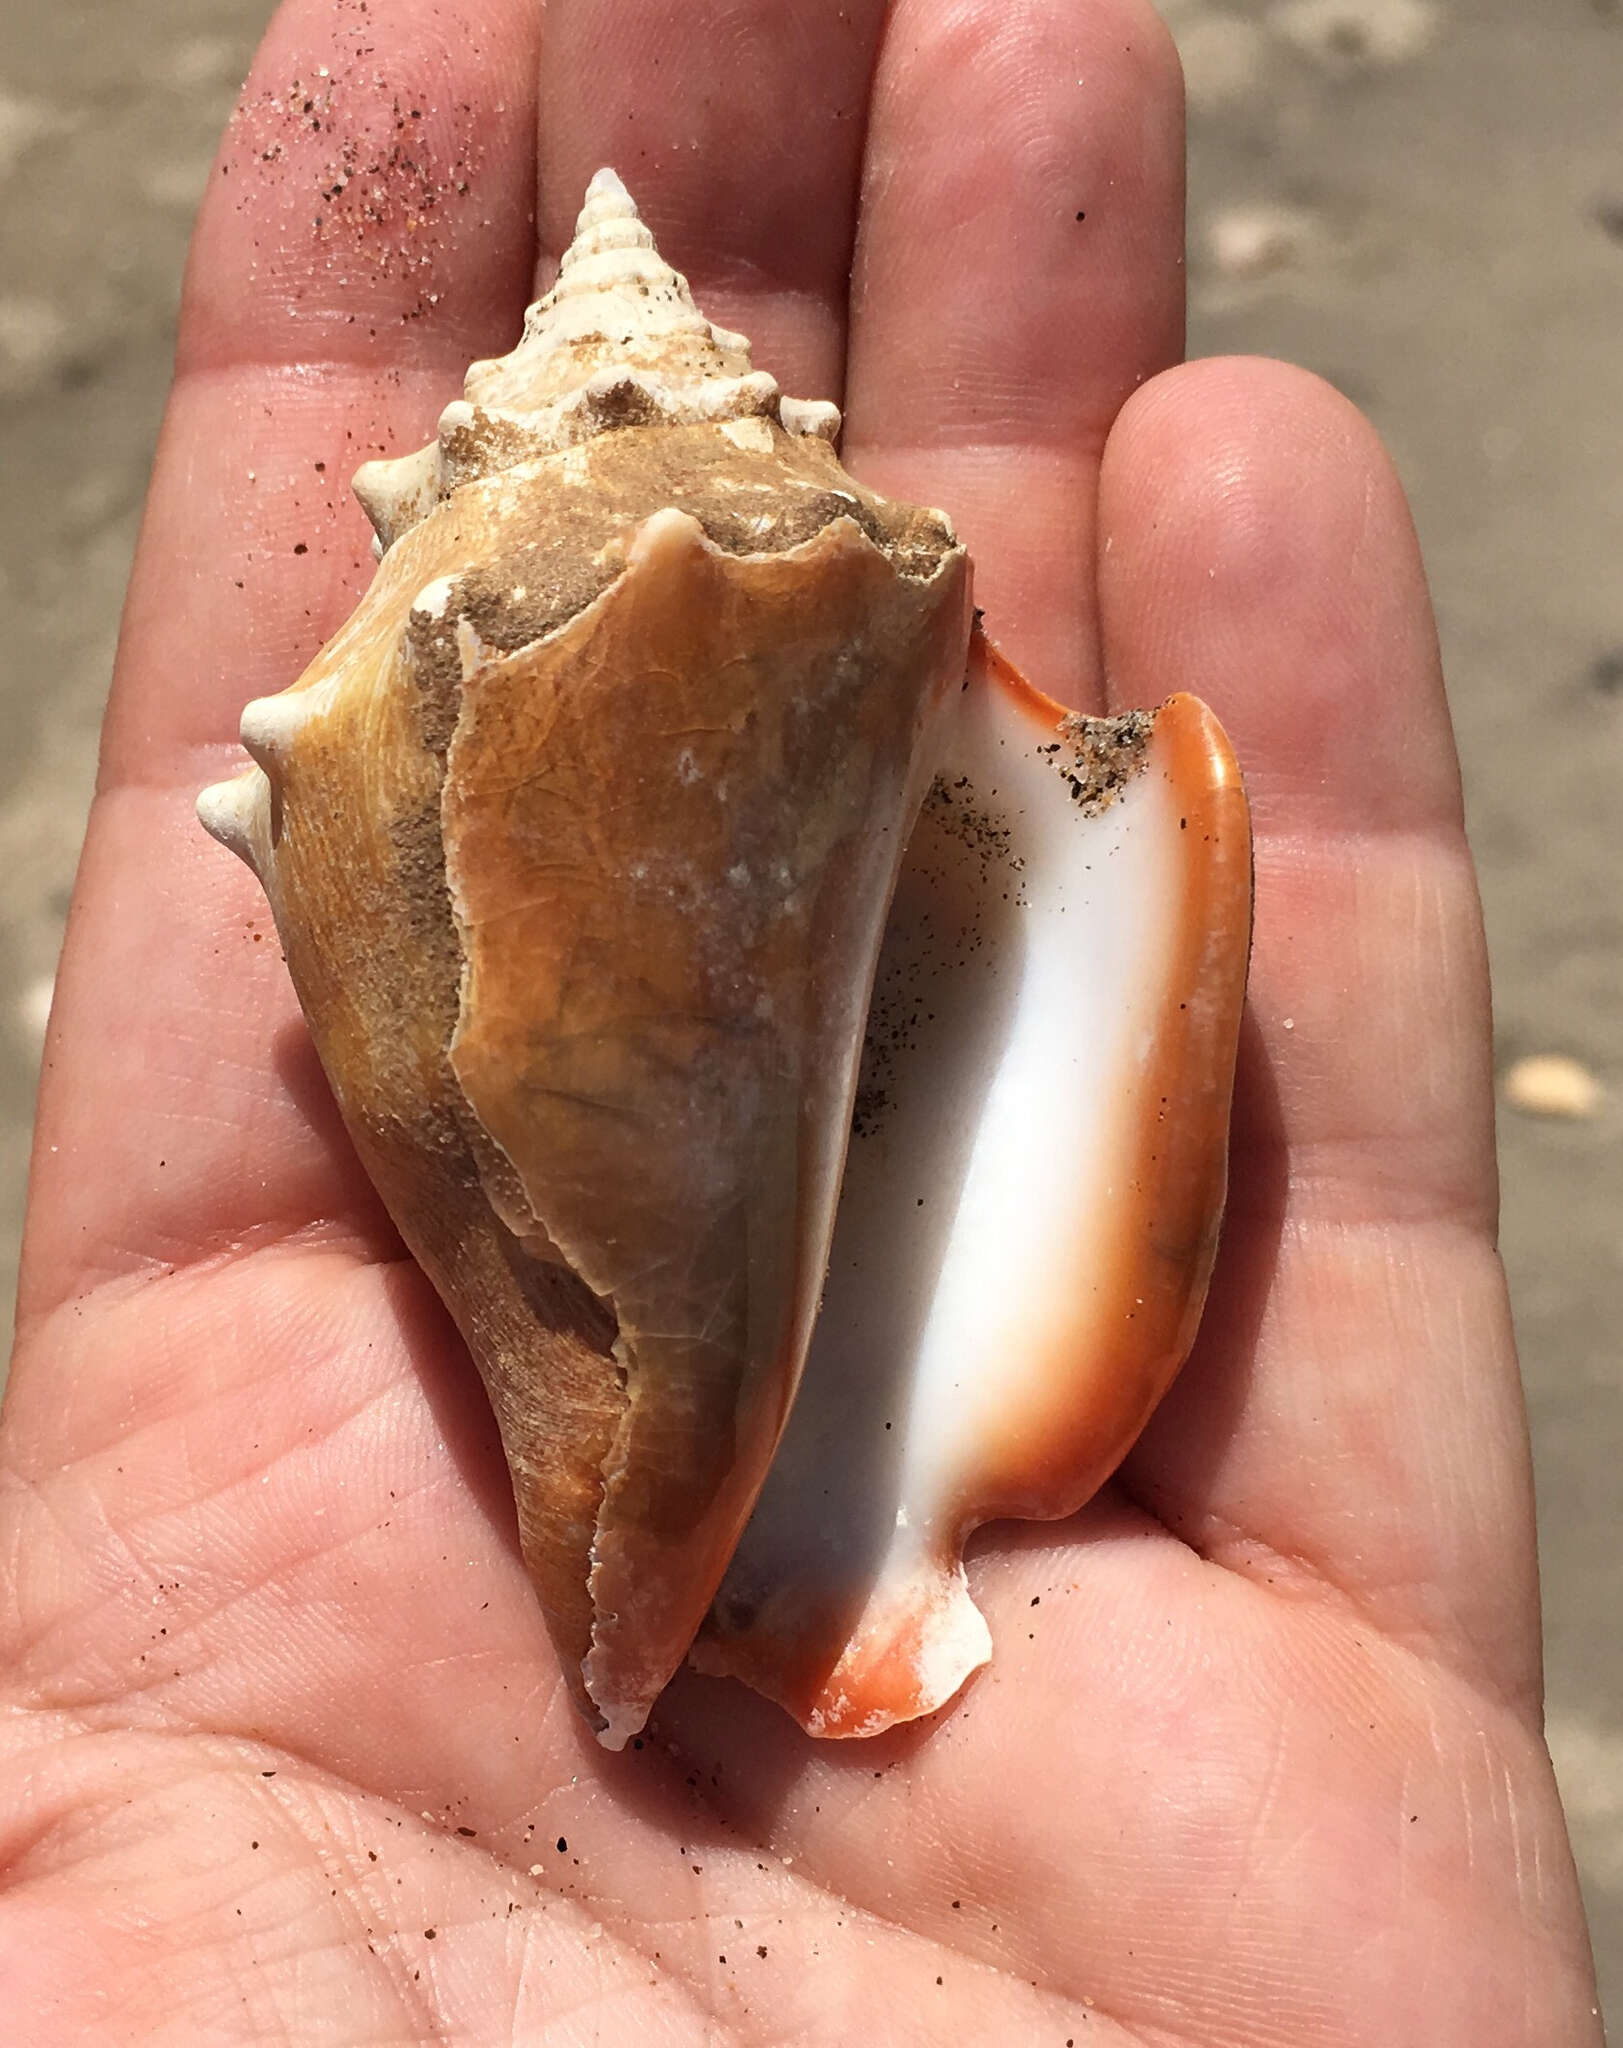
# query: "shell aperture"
[1031,1201]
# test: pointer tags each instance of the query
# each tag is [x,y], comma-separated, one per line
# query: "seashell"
[582,837]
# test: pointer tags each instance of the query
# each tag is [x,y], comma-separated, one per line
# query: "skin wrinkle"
[212,1256]
[1310,1567]
[347,1264]
[1272,1773]
[250,1982]
[106,1721]
[117,1539]
[210,1119]
[17,1846]
[138,1567]
[1245,1558]
[278,1758]
[1352,1202]
[1301,1575]
[870,1915]
[1079,452]
[278,1755]
[223,364]
[535,1946]
[833,1898]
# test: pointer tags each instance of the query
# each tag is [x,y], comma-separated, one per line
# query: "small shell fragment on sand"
[1555,1085]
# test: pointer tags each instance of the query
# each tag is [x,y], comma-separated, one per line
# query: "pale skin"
[1260,1758]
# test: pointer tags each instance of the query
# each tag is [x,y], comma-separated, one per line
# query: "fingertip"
[1257,548]
[372,198]
[1266,436]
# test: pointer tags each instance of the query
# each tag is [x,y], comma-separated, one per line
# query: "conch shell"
[582,837]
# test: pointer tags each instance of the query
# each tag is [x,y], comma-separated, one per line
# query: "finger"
[1350,1420]
[739,132]
[1019,272]
[1353,1406]
[366,231]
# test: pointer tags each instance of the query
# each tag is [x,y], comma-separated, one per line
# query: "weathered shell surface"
[582,835]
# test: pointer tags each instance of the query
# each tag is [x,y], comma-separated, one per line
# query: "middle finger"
[1019,273]
[738,130]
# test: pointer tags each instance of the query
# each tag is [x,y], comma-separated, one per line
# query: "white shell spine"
[237,813]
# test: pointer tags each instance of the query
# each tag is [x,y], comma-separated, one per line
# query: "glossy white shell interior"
[1015,1052]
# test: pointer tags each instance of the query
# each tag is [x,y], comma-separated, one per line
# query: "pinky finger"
[1353,1406]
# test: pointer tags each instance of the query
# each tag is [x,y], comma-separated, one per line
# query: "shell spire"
[617,342]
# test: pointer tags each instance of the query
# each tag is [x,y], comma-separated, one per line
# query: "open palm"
[286,1755]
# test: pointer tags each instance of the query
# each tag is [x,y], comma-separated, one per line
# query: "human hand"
[287,1755]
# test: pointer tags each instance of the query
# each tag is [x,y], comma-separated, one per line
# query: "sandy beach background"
[1420,199]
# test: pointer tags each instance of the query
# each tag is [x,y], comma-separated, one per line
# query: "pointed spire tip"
[607,184]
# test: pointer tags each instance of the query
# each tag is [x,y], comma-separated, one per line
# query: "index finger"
[366,230]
